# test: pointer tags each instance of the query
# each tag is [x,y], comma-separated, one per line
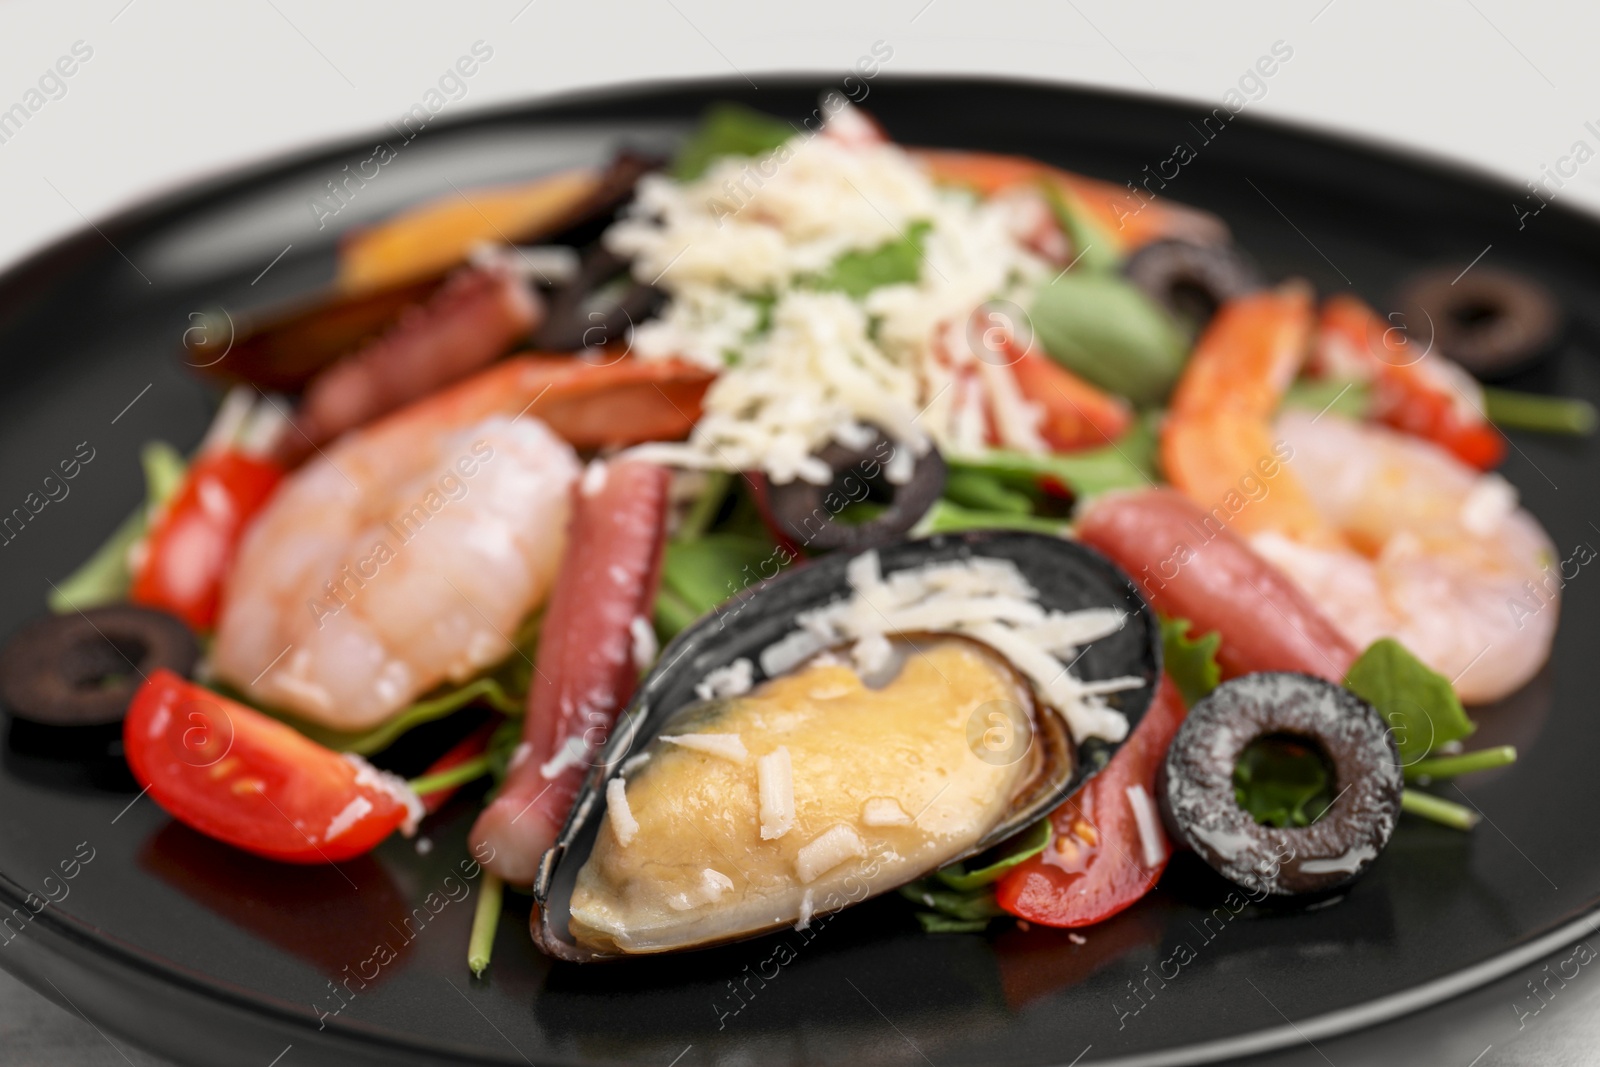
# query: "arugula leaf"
[969,906]
[728,130]
[487,690]
[1348,398]
[934,923]
[945,517]
[1128,463]
[698,575]
[1034,840]
[1281,782]
[1191,663]
[1420,705]
[982,491]
[898,261]
[105,577]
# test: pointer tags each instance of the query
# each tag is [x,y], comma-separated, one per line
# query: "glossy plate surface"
[209,956]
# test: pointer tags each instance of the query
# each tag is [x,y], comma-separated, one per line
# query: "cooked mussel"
[844,729]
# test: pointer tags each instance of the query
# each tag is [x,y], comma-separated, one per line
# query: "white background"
[178,88]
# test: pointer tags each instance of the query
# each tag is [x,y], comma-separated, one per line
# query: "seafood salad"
[807,518]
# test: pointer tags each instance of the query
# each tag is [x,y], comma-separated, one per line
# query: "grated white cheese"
[808,904]
[594,477]
[728,746]
[775,784]
[807,365]
[826,851]
[392,784]
[1151,840]
[731,681]
[644,643]
[623,824]
[352,813]
[988,600]
[883,811]
[713,884]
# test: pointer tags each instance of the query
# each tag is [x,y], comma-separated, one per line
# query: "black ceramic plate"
[209,956]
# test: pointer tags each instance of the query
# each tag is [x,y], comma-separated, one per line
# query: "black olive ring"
[1197,791]
[1492,322]
[809,514]
[1191,281]
[81,669]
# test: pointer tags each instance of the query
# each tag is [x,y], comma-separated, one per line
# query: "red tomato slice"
[246,779]
[192,542]
[1095,865]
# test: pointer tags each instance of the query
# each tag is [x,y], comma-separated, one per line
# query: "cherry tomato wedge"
[192,541]
[1095,865]
[247,779]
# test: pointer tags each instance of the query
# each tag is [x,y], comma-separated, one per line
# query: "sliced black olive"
[819,516]
[1191,281]
[1201,809]
[1492,322]
[81,669]
[597,306]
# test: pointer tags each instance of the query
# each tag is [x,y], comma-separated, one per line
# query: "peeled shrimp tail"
[590,652]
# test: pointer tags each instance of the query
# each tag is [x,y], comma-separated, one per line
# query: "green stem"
[1543,414]
[1466,763]
[485,919]
[450,777]
[1438,809]
[704,511]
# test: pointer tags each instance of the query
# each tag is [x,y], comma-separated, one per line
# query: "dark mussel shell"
[1068,576]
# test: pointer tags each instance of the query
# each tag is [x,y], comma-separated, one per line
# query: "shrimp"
[409,552]
[1439,554]
[1390,535]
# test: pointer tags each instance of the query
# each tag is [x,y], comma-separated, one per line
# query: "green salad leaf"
[1419,704]
[485,690]
[1351,399]
[982,491]
[1032,841]
[893,263]
[105,577]
[1093,246]
[1281,782]
[1128,463]
[945,517]
[728,130]
[1191,663]
[1104,330]
[700,574]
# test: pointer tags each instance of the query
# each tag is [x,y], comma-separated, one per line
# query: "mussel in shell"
[842,730]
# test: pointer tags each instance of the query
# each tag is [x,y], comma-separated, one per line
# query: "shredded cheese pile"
[740,251]
[986,599]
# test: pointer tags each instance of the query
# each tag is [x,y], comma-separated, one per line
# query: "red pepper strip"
[1076,414]
[1416,392]
[1095,865]
[1190,566]
[586,670]
[470,747]
[250,781]
[192,542]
